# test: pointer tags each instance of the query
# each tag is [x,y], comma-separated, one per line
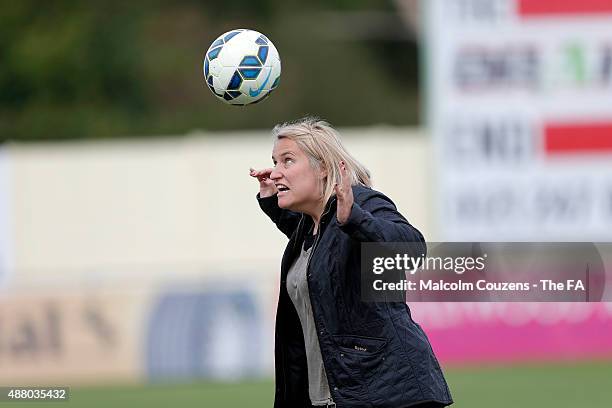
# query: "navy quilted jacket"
[374,354]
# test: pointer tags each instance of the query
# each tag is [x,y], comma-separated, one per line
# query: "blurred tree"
[115,69]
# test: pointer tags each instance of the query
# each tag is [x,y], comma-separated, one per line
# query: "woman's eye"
[288,160]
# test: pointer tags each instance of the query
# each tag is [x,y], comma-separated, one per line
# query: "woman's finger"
[265,173]
[343,176]
[339,191]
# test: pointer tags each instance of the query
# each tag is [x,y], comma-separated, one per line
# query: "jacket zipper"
[314,247]
[283,363]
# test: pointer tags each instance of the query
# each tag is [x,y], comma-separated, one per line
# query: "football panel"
[263,82]
[214,53]
[262,53]
[218,42]
[214,67]
[210,82]
[218,85]
[250,61]
[225,78]
[273,56]
[230,35]
[249,73]
[236,50]
[251,36]
[242,99]
[276,73]
[235,81]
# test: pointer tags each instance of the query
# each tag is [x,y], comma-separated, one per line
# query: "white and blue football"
[242,67]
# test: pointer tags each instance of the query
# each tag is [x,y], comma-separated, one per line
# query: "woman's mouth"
[282,188]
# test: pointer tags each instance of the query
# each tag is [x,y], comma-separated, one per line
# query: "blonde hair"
[322,144]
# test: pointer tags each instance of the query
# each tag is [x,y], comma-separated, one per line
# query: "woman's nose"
[275,174]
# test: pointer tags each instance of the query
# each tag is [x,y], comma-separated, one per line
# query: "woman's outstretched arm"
[375,220]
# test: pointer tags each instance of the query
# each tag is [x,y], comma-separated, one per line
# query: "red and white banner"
[520,110]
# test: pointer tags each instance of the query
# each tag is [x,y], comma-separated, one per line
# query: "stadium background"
[136,266]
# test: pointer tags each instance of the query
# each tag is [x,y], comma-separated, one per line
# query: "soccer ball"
[242,67]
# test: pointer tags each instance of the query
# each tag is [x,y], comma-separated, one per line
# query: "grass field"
[523,386]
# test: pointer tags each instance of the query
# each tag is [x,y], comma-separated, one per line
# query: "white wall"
[162,208]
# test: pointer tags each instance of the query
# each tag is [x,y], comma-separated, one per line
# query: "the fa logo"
[575,284]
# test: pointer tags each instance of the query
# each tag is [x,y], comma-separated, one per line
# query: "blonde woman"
[332,349]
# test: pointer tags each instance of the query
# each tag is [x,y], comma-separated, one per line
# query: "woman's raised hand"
[266,185]
[344,195]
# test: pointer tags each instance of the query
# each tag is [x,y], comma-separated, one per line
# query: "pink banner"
[503,332]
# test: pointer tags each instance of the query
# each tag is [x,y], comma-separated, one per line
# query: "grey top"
[297,286]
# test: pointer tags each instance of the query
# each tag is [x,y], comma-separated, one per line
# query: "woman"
[331,348]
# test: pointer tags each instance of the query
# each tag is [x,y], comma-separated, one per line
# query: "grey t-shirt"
[297,286]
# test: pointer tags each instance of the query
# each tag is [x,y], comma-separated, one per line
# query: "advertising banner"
[520,112]
[505,332]
[70,338]
[520,109]
[113,337]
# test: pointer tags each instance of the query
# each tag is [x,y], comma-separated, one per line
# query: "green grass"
[523,386]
